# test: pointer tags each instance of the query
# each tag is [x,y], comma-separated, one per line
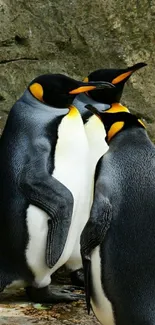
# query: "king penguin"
[43,168]
[118,241]
[95,131]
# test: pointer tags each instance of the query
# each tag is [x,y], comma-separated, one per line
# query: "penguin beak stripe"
[140,121]
[82,89]
[37,91]
[121,77]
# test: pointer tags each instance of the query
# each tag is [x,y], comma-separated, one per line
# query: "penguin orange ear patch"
[115,128]
[86,79]
[37,91]
[121,77]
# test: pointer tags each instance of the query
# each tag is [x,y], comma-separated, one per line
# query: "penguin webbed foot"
[77,278]
[53,294]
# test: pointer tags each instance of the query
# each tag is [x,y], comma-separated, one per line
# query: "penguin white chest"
[71,155]
[101,305]
[71,169]
[95,134]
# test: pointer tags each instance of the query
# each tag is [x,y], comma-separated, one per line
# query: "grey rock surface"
[75,37]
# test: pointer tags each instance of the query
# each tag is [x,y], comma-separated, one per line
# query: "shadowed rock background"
[75,37]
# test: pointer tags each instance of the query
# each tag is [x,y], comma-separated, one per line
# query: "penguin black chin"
[107,96]
[60,101]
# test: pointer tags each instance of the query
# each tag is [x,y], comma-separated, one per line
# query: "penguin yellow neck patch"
[73,111]
[115,128]
[117,108]
[37,91]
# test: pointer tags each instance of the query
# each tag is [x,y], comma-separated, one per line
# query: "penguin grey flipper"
[52,294]
[47,193]
[92,236]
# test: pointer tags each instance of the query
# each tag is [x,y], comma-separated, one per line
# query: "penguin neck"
[73,113]
[29,99]
[130,137]
[81,100]
[96,134]
[119,119]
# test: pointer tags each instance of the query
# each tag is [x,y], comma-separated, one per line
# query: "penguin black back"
[118,77]
[122,225]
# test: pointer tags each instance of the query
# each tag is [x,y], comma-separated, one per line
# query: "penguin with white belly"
[118,241]
[95,131]
[41,147]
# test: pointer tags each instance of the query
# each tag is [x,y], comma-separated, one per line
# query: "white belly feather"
[71,169]
[101,305]
[98,147]
[77,152]
[95,133]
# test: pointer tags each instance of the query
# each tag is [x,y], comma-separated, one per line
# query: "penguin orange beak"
[127,74]
[82,90]
[92,85]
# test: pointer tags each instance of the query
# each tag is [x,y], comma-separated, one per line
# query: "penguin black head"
[116,119]
[59,90]
[117,77]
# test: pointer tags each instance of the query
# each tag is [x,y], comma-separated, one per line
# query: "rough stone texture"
[16,310]
[75,37]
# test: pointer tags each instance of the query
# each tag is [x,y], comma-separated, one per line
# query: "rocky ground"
[16,310]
